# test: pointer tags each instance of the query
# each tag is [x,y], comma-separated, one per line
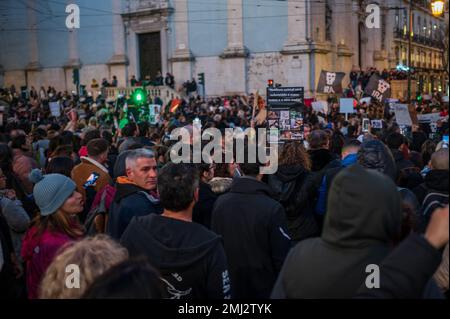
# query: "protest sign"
[320,106]
[378,88]
[330,82]
[377,124]
[402,115]
[346,106]
[55,109]
[283,97]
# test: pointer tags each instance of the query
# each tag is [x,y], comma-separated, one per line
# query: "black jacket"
[204,207]
[190,258]
[287,184]
[433,193]
[129,201]
[405,273]
[321,159]
[363,216]
[253,227]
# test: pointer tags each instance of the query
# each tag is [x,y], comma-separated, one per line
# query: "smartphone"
[445,139]
[92,179]
[365,125]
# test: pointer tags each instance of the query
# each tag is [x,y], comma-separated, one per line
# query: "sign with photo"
[288,124]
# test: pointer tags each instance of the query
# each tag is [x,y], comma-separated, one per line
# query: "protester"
[136,192]
[191,259]
[363,219]
[55,226]
[91,175]
[204,206]
[293,170]
[433,192]
[254,230]
[92,255]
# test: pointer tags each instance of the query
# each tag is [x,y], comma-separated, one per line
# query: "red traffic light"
[270,83]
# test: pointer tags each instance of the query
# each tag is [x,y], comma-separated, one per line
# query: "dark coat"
[287,184]
[204,207]
[364,215]
[321,159]
[129,201]
[406,273]
[253,227]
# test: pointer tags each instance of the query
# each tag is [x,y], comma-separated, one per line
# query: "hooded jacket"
[364,215]
[432,194]
[38,252]
[322,158]
[190,258]
[287,184]
[129,201]
[253,226]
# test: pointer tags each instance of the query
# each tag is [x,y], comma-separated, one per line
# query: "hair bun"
[35,176]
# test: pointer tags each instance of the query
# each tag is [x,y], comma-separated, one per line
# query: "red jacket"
[38,253]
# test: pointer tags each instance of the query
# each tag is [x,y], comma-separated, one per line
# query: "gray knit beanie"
[50,191]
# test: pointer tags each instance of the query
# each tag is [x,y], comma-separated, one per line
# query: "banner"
[330,82]
[378,88]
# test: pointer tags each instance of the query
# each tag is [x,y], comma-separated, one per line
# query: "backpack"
[97,218]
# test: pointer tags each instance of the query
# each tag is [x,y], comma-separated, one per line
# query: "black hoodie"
[364,215]
[287,184]
[253,227]
[191,258]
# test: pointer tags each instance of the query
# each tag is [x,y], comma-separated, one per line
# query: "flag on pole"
[174,105]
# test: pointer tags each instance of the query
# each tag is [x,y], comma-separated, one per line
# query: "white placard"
[402,115]
[55,109]
[346,106]
[428,118]
[320,106]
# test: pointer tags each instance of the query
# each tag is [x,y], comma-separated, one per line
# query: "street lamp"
[437,7]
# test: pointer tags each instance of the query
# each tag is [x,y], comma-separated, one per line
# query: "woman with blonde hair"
[289,182]
[54,227]
[92,256]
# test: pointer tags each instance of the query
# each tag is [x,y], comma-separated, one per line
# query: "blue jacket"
[321,206]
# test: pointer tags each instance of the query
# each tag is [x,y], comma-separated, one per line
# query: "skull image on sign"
[331,77]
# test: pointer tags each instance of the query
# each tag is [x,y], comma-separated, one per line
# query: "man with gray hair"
[136,192]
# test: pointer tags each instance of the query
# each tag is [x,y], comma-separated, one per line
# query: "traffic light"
[270,83]
[139,97]
[201,78]
[76,76]
[419,97]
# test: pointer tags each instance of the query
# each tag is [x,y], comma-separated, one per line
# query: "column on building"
[342,21]
[74,59]
[182,58]
[33,68]
[119,61]
[297,47]
[235,54]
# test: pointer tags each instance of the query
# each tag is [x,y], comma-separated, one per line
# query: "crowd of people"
[80,190]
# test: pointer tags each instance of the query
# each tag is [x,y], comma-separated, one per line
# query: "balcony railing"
[419,39]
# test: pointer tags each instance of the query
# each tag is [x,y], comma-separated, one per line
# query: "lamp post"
[410,49]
